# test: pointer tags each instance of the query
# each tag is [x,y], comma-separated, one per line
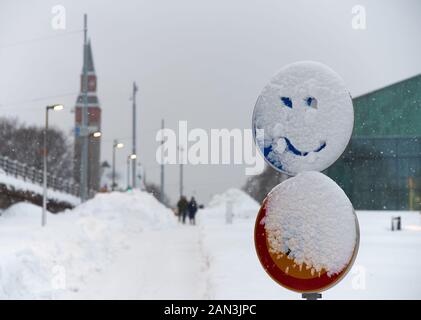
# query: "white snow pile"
[21,210]
[133,209]
[43,262]
[307,117]
[310,216]
[243,206]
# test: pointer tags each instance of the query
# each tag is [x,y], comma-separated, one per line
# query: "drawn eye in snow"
[311,102]
[287,102]
[295,139]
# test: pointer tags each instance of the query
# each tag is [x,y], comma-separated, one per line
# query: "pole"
[162,162]
[84,120]
[411,193]
[143,175]
[181,170]
[181,179]
[44,198]
[128,172]
[134,135]
[311,296]
[113,175]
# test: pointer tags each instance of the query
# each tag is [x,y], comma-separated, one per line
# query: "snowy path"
[128,246]
[162,264]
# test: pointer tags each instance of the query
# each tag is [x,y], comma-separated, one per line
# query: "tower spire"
[87,121]
[83,184]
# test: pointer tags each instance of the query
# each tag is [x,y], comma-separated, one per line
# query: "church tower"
[94,125]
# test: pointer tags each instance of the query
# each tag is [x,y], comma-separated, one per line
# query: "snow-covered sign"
[307,233]
[303,119]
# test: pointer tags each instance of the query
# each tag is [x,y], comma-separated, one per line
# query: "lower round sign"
[306,233]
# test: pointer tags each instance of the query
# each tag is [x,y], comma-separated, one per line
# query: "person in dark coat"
[182,206]
[192,211]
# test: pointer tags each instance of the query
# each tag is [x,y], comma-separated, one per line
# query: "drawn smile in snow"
[288,146]
[303,118]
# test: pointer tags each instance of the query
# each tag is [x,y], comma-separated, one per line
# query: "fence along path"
[27,173]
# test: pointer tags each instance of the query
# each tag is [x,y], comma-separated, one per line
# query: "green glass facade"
[381,167]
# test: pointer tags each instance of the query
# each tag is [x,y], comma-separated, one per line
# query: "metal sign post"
[312,296]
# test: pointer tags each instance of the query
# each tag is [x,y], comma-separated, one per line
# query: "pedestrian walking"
[182,207]
[192,208]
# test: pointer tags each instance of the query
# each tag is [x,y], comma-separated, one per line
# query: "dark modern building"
[94,125]
[381,168]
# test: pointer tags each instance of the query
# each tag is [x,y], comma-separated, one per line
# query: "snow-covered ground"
[388,265]
[59,259]
[127,245]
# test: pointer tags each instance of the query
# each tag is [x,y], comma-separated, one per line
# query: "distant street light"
[55,107]
[116,145]
[129,160]
[97,134]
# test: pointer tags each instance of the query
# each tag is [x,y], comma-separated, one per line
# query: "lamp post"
[130,159]
[55,107]
[116,145]
[93,136]
[181,159]
[128,172]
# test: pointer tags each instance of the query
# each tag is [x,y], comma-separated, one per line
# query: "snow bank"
[136,207]
[243,206]
[310,217]
[21,209]
[307,116]
[38,262]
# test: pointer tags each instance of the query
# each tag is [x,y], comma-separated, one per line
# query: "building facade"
[381,167]
[94,125]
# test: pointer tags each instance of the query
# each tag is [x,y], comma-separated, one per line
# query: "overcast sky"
[201,61]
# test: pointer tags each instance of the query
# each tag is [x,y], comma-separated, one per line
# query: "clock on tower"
[91,83]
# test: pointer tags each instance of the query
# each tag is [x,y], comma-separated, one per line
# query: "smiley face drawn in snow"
[303,119]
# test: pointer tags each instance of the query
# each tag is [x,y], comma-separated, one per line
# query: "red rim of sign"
[315,284]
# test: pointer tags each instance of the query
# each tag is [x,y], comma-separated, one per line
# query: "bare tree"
[259,186]
[25,144]
[156,192]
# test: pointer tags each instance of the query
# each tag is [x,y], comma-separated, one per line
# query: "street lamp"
[54,107]
[97,134]
[181,159]
[128,172]
[129,160]
[116,145]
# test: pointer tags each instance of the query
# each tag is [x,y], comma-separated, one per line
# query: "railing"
[27,173]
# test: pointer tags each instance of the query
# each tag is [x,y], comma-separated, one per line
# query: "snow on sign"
[303,119]
[306,233]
